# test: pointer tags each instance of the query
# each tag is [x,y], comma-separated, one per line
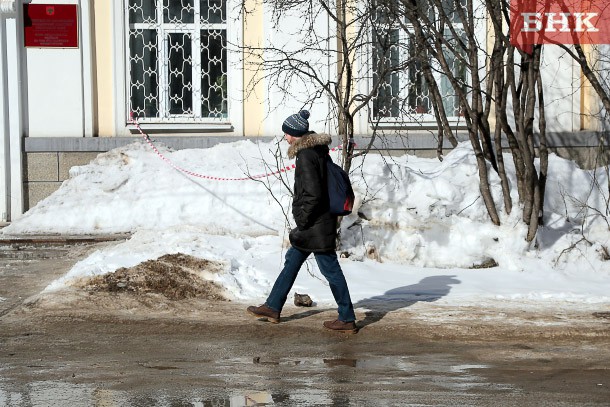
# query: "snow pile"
[413,218]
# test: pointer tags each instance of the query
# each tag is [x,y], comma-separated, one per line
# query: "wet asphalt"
[81,349]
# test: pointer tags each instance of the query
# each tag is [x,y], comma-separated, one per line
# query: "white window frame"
[418,121]
[233,124]
[403,94]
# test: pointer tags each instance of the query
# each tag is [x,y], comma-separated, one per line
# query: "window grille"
[177,60]
[402,90]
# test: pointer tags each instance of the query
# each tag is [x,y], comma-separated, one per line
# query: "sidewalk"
[29,264]
[60,239]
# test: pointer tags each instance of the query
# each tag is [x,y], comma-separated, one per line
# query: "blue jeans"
[330,268]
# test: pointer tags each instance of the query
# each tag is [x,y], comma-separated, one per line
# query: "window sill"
[182,127]
[424,124]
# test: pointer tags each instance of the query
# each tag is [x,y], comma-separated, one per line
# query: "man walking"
[316,230]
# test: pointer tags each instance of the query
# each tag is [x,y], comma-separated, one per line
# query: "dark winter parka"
[316,229]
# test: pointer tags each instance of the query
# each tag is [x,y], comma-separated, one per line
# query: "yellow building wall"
[589,100]
[254,87]
[104,84]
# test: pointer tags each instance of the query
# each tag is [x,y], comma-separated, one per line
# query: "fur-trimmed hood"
[307,141]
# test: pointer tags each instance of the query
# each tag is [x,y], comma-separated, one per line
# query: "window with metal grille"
[396,70]
[177,60]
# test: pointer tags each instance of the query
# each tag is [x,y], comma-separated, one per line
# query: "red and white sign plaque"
[50,25]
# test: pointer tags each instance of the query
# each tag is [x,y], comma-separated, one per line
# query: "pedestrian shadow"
[428,289]
[304,314]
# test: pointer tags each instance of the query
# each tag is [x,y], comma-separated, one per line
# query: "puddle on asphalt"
[395,363]
[246,382]
[53,393]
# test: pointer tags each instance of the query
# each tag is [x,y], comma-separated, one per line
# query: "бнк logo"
[559,22]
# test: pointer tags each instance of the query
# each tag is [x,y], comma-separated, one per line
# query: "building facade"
[77,73]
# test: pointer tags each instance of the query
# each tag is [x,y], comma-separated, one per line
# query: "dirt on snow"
[175,276]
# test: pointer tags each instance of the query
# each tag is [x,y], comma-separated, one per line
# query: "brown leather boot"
[265,312]
[340,326]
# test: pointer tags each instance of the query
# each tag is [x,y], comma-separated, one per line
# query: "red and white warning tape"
[194,174]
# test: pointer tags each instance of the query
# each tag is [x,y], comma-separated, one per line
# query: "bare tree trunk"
[496,63]
[483,173]
[543,150]
[513,143]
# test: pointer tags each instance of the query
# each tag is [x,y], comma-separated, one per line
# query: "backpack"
[340,192]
